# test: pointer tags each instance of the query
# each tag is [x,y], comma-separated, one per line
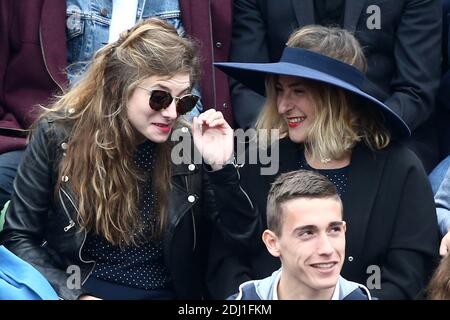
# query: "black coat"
[391,223]
[403,55]
[44,231]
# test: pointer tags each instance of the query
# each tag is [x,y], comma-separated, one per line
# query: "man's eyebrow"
[305,228]
[314,227]
[336,224]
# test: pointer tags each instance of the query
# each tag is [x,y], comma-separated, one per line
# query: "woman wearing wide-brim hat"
[330,125]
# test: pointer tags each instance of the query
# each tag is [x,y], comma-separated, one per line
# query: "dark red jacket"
[29,72]
[33,56]
[210,22]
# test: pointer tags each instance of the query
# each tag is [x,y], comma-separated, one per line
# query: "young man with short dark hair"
[307,232]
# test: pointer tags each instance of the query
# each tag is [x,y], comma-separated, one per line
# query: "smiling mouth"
[324,266]
[293,122]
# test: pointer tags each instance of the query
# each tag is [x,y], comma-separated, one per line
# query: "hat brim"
[253,76]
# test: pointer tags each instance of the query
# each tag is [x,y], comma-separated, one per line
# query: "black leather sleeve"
[26,221]
[237,218]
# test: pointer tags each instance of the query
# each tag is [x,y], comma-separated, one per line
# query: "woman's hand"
[213,137]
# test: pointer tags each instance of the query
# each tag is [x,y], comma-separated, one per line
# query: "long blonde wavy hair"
[102,141]
[341,121]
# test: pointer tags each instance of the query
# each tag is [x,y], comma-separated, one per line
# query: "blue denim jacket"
[87,29]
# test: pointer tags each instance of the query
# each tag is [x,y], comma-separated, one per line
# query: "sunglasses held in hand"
[161,99]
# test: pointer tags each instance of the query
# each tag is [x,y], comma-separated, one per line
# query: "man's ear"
[270,239]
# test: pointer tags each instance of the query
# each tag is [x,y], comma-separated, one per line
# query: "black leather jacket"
[41,225]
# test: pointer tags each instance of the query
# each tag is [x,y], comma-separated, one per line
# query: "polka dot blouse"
[140,266]
[338,176]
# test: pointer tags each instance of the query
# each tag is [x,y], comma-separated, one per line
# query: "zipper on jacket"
[84,239]
[71,222]
[70,226]
[45,61]
[193,217]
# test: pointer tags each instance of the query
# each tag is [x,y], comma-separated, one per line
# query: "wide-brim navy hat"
[303,63]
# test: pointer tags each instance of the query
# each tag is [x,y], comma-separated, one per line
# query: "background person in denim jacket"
[88,25]
[34,55]
[93,23]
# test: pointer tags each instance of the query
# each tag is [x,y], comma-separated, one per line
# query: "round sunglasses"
[161,99]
